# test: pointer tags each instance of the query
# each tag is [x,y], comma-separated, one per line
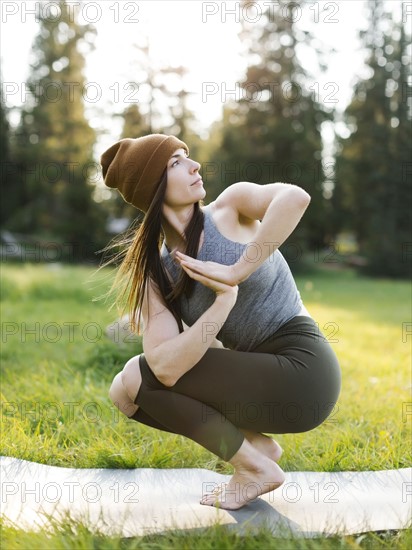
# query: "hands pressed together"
[218,277]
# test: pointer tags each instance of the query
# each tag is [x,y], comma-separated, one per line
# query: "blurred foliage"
[373,194]
[160,85]
[10,201]
[53,144]
[269,132]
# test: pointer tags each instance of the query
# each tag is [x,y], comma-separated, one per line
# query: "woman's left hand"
[222,273]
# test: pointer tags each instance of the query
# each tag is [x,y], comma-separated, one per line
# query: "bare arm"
[215,344]
[280,206]
[170,354]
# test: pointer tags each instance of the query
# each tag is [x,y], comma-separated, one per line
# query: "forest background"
[54,204]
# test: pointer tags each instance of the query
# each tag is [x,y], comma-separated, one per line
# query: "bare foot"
[255,474]
[266,445]
[245,486]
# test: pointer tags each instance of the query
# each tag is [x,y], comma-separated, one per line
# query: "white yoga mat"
[146,500]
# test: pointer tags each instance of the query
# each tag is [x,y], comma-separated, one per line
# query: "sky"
[200,35]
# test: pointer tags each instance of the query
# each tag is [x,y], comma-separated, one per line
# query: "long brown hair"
[140,260]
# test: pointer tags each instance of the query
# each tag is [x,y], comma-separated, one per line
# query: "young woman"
[251,359]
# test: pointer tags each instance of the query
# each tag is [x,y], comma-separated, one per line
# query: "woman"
[251,359]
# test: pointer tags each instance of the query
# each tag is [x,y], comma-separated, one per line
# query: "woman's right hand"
[222,290]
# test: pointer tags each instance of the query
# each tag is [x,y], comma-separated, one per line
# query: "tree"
[9,191]
[271,131]
[55,141]
[134,125]
[372,164]
[162,108]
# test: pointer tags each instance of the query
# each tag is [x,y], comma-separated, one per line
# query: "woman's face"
[184,184]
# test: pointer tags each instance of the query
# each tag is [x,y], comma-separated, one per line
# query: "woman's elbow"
[161,370]
[299,200]
[296,197]
[302,198]
[166,378]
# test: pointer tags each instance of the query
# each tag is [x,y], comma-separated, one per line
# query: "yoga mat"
[144,501]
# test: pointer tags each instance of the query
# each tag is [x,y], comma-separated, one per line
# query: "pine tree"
[271,133]
[55,141]
[135,125]
[371,167]
[183,121]
[9,191]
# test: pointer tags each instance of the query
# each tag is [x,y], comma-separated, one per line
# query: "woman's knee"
[119,397]
[131,377]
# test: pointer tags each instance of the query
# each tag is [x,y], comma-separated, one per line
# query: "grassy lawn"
[57,365]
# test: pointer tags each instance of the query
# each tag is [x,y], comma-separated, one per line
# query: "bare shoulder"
[229,196]
[230,222]
[247,201]
[250,201]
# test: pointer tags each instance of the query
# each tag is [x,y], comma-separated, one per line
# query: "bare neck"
[174,224]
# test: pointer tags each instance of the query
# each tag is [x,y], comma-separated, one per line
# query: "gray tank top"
[266,300]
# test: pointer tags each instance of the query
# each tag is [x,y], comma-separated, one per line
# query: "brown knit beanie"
[134,166]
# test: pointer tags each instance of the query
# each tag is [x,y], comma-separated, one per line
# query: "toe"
[208,500]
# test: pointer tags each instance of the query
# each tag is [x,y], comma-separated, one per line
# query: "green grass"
[213,538]
[57,366]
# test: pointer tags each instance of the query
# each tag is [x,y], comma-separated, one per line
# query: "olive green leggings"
[288,384]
